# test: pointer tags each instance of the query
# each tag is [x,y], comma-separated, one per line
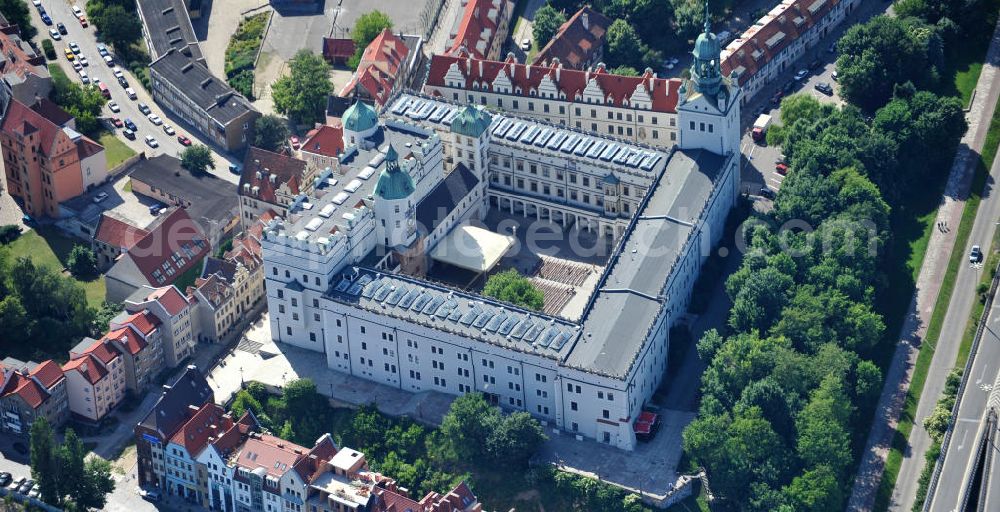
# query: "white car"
[36,3]
[75,48]
[169,130]
[54,34]
[112,106]
[130,92]
[155,119]
[83,61]
[526,44]
[83,77]
[801,75]
[77,66]
[118,72]
[77,11]
[151,141]
[109,61]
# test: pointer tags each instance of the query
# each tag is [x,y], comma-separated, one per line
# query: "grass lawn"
[920,370]
[115,150]
[47,246]
[187,278]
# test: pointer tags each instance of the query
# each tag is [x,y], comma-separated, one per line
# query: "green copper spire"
[471,122]
[706,71]
[393,183]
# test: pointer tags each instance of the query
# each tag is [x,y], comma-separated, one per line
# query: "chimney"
[586,21]
[558,65]
[480,68]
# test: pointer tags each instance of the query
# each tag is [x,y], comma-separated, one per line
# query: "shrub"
[9,233]
[82,262]
[510,286]
[49,49]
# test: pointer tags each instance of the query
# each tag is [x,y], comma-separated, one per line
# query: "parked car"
[122,82]
[766,192]
[781,169]
[155,119]
[801,74]
[54,34]
[102,49]
[789,87]
[976,255]
[646,425]
[5,479]
[26,487]
[117,122]
[834,75]
[83,77]
[526,44]
[151,141]
[118,72]
[108,60]
[77,11]
[824,88]
[17,481]
[184,141]
[34,493]
[70,56]
[112,106]
[129,134]
[75,47]
[46,19]
[169,130]
[776,99]
[150,495]
[77,66]
[144,108]
[130,93]
[83,22]
[36,3]
[83,61]
[233,168]
[130,125]
[815,64]
[155,209]
[62,28]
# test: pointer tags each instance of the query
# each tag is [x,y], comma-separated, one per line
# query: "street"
[61,11]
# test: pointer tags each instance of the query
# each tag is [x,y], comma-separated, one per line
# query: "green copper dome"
[360,117]
[706,71]
[706,47]
[471,122]
[394,183]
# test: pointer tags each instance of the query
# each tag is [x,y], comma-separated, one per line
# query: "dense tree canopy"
[545,25]
[117,21]
[510,286]
[197,159]
[66,478]
[16,12]
[270,132]
[301,95]
[84,103]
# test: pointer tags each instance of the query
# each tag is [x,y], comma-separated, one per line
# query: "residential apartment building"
[28,391]
[139,339]
[24,75]
[322,146]
[46,163]
[175,313]
[483,28]
[173,245]
[182,84]
[588,371]
[579,42]
[114,236]
[95,380]
[384,68]
[271,181]
[171,410]
[779,39]
[641,109]
[225,294]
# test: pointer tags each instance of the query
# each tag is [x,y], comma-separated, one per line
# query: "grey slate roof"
[170,410]
[207,198]
[224,268]
[628,298]
[447,194]
[193,79]
[168,26]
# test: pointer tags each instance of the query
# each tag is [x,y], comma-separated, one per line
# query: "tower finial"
[708,22]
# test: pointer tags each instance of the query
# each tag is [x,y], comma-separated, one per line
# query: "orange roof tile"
[88,366]
[48,373]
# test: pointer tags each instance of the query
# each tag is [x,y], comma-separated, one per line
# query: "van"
[104,90]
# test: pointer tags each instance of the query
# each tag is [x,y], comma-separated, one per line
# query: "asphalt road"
[61,11]
[970,422]
[964,296]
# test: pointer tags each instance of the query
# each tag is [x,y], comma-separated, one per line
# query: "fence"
[961,389]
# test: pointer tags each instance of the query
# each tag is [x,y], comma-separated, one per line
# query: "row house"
[114,236]
[322,146]
[95,380]
[171,410]
[24,75]
[140,341]
[779,39]
[175,313]
[483,28]
[384,68]
[220,305]
[271,181]
[28,391]
[579,42]
[640,109]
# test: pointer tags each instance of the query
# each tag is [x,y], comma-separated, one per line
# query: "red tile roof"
[211,421]
[48,373]
[127,339]
[173,245]
[325,141]
[313,463]
[771,34]
[337,48]
[144,322]
[21,59]
[379,67]
[30,391]
[574,44]
[286,170]
[170,298]
[104,350]
[118,233]
[22,120]
[87,148]
[480,24]
[570,82]
[273,454]
[88,366]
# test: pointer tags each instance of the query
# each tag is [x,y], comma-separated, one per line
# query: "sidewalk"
[921,307]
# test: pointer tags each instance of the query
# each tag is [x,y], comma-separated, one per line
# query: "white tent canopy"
[472,248]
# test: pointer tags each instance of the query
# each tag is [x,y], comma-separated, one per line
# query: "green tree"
[118,26]
[624,71]
[823,437]
[366,29]
[271,132]
[96,484]
[197,159]
[16,12]
[82,261]
[545,25]
[45,468]
[624,48]
[816,490]
[287,432]
[467,426]
[709,344]
[868,382]
[689,18]
[510,286]
[515,439]
[14,319]
[71,458]
[301,95]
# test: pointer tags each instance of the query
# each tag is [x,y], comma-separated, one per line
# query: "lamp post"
[242,384]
